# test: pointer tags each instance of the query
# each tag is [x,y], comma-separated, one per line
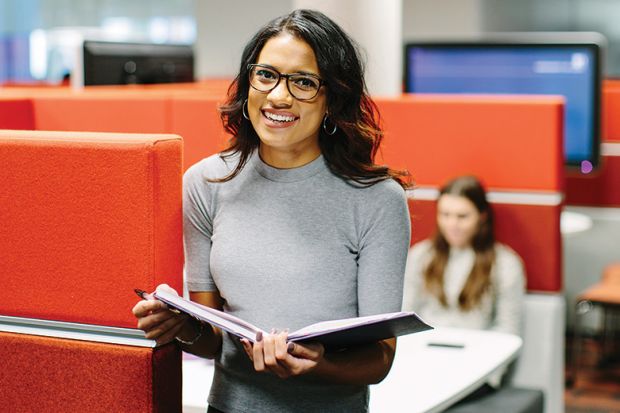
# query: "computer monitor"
[113,63]
[558,64]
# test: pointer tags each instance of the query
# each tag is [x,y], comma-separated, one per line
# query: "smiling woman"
[288,127]
[293,224]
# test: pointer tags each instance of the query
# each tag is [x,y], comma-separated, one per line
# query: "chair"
[506,399]
[604,295]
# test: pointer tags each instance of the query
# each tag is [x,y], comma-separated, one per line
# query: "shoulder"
[506,256]
[215,166]
[509,265]
[382,197]
[422,248]
[419,255]
[387,188]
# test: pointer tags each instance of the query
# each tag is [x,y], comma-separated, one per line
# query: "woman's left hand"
[272,353]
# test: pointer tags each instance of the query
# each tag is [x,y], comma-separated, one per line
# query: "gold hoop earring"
[244,110]
[335,128]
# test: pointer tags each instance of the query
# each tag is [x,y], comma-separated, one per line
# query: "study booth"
[91,242]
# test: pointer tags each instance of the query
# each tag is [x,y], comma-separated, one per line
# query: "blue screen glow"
[566,71]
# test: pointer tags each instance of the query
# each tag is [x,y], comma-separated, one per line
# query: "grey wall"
[225,26]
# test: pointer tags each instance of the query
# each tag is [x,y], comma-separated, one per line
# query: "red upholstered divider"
[610,121]
[86,218]
[602,187]
[103,112]
[16,114]
[512,143]
[197,120]
[42,374]
[531,230]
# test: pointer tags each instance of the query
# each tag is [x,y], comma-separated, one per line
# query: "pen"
[146,296]
[141,293]
[446,345]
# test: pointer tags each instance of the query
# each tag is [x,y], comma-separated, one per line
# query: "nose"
[280,96]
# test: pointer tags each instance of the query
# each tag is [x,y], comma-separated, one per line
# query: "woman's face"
[458,220]
[295,132]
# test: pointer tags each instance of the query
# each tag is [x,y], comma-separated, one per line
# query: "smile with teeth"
[279,118]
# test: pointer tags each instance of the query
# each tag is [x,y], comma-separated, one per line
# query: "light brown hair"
[483,244]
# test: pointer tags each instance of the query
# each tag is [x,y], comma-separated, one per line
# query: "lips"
[278,119]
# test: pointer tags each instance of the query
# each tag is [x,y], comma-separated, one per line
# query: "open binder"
[332,334]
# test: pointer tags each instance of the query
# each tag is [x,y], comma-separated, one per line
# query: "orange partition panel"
[513,142]
[601,187]
[42,374]
[197,120]
[16,114]
[86,218]
[610,122]
[103,112]
[531,230]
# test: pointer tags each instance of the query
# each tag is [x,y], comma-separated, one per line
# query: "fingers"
[272,353]
[281,347]
[146,307]
[247,346]
[167,288]
[170,334]
[163,328]
[257,353]
[263,353]
[310,351]
[151,320]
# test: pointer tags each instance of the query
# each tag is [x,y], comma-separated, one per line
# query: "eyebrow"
[300,72]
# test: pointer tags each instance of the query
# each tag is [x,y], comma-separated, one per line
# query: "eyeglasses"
[302,86]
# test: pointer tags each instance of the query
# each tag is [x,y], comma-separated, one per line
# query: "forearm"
[208,345]
[360,365]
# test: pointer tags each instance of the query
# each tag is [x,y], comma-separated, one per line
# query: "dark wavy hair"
[483,243]
[350,152]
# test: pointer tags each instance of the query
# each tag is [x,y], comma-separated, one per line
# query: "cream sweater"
[500,308]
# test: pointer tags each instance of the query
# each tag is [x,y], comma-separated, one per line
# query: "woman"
[291,225]
[463,277]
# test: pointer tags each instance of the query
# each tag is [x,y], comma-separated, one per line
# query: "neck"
[286,159]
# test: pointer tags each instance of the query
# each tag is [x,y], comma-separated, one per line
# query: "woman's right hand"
[156,320]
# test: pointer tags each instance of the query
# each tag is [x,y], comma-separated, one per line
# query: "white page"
[334,325]
[218,318]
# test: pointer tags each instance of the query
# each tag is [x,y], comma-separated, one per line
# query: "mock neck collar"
[287,174]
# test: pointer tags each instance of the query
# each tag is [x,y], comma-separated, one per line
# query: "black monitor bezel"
[591,41]
[135,49]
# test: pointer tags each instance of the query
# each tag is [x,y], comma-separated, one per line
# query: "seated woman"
[462,277]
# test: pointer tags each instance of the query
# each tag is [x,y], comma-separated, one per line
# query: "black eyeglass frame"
[286,76]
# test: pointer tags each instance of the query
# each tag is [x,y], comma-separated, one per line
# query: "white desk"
[422,379]
[430,379]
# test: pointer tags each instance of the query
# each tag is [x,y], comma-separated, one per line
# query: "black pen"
[146,296]
[446,345]
[141,293]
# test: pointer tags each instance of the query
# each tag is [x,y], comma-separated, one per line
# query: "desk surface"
[423,378]
[429,379]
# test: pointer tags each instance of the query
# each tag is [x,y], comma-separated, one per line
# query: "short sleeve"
[197,229]
[384,242]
